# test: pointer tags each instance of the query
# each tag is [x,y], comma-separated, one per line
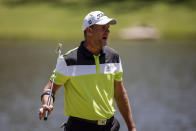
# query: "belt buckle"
[102,122]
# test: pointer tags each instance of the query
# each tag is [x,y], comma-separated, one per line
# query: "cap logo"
[100,15]
[90,22]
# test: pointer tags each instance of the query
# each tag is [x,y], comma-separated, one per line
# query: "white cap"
[97,17]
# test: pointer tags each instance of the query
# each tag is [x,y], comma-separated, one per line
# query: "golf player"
[92,77]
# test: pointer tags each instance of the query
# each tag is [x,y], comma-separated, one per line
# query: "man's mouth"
[105,38]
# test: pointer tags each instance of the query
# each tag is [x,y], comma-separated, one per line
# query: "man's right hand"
[43,110]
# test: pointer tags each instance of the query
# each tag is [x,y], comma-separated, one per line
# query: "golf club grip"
[46,116]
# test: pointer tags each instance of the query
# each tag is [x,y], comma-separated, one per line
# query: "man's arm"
[44,107]
[123,104]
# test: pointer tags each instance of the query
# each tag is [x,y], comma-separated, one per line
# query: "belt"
[96,122]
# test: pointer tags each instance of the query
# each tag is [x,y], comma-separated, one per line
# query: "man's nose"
[107,31]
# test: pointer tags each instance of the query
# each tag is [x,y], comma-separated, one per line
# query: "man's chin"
[104,43]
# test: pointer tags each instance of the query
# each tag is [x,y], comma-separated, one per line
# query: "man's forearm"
[123,104]
[125,110]
[47,88]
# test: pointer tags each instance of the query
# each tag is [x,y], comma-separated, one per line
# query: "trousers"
[79,125]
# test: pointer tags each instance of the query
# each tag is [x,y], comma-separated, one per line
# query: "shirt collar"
[87,52]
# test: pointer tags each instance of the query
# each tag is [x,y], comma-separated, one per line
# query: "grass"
[46,21]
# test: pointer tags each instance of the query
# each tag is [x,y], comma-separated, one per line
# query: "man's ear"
[89,30]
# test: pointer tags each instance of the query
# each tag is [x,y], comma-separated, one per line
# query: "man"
[92,77]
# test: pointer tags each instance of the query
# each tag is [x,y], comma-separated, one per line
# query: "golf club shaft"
[50,94]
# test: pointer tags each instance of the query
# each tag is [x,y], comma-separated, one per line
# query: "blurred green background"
[62,19]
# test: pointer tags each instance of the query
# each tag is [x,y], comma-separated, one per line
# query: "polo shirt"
[88,81]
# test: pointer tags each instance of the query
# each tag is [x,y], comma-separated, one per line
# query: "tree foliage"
[95,1]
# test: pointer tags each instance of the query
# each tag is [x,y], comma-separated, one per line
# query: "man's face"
[100,34]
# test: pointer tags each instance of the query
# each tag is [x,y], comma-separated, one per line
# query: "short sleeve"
[119,71]
[60,76]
